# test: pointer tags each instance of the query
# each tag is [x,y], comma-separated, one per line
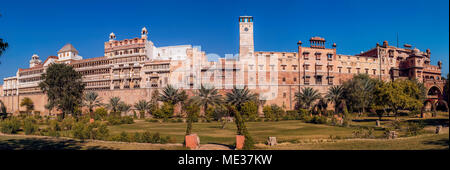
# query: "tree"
[241,128]
[335,94]
[249,110]
[359,91]
[170,95]
[123,108]
[182,99]
[192,110]
[154,102]
[3,45]
[238,97]
[446,88]
[64,88]
[207,97]
[113,104]
[142,106]
[92,100]
[401,94]
[3,112]
[307,96]
[28,104]
[321,105]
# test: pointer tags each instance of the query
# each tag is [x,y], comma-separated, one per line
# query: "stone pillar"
[272,141]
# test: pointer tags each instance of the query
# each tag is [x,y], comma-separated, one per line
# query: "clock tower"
[246,47]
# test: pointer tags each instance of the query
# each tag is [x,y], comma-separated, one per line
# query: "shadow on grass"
[432,122]
[45,144]
[442,142]
[225,145]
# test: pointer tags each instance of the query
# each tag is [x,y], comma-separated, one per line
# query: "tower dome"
[112,36]
[144,33]
[35,60]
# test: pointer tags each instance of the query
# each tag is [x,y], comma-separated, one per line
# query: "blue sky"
[43,27]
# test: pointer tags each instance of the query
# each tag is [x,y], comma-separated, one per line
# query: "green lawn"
[292,134]
[213,133]
[422,142]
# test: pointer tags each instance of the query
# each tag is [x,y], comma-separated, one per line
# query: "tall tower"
[35,60]
[246,47]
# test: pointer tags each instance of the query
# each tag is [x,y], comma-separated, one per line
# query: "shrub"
[155,138]
[123,137]
[115,120]
[278,111]
[78,131]
[67,123]
[249,111]
[166,111]
[414,129]
[268,113]
[10,126]
[100,113]
[29,126]
[49,132]
[146,137]
[347,119]
[292,115]
[316,119]
[54,125]
[96,130]
[137,137]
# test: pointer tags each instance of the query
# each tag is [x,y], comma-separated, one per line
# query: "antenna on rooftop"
[397,39]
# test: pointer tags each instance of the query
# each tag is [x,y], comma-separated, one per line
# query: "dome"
[144,30]
[416,51]
[35,56]
[112,36]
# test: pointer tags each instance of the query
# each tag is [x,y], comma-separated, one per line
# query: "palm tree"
[170,95]
[238,97]
[206,97]
[114,104]
[123,108]
[335,94]
[142,106]
[321,106]
[91,100]
[308,95]
[3,45]
[28,103]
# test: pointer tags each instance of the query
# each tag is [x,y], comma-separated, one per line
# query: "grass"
[421,142]
[292,134]
[260,131]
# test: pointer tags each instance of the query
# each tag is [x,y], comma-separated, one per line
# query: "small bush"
[90,131]
[67,123]
[316,119]
[146,137]
[155,138]
[29,126]
[414,129]
[54,125]
[115,120]
[10,126]
[100,113]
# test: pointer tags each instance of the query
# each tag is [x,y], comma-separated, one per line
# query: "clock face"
[245,29]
